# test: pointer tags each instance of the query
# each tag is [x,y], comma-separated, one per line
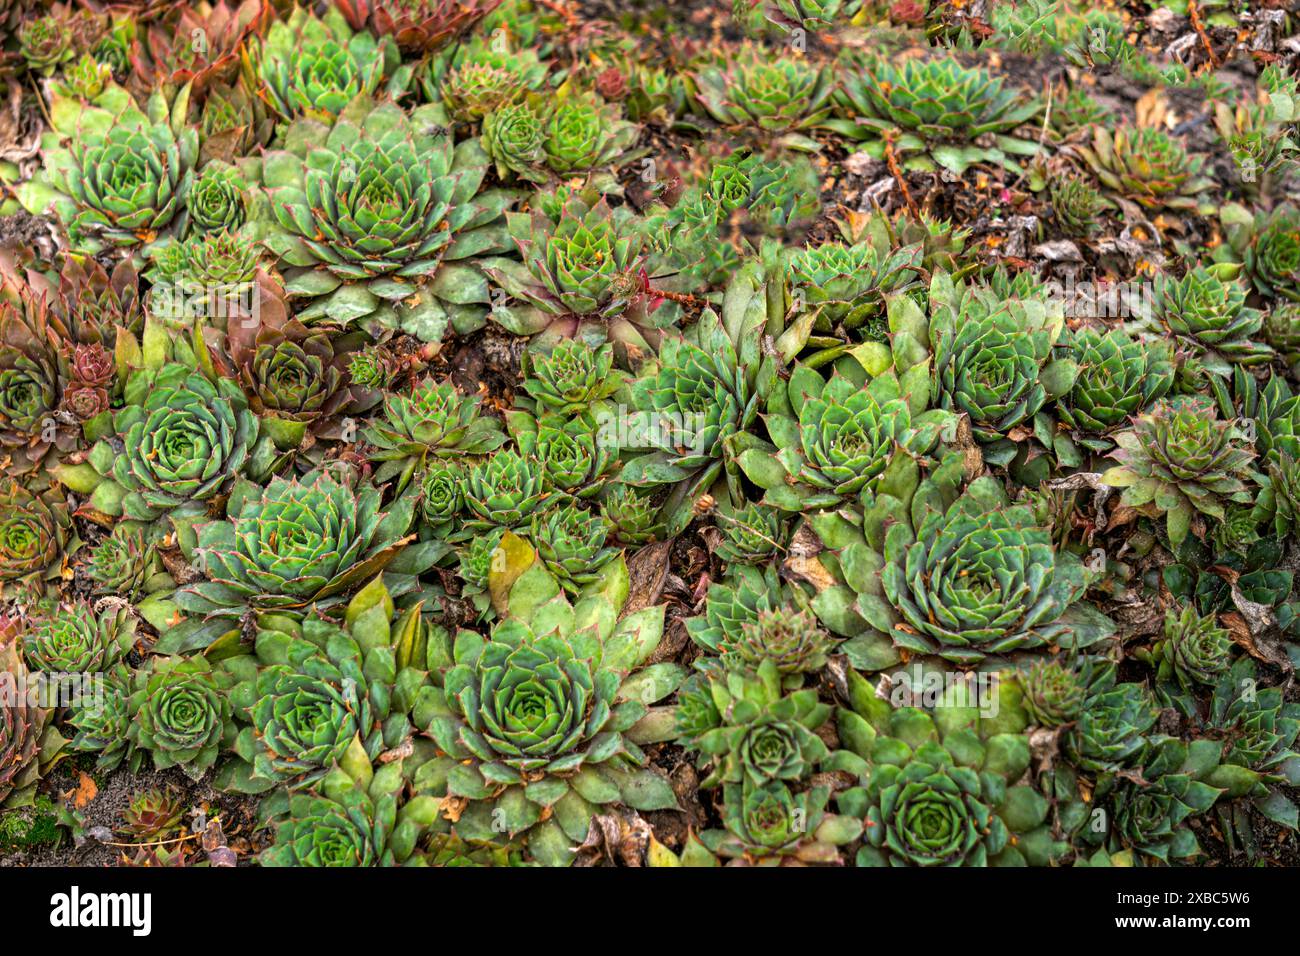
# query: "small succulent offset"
[536,719]
[1193,650]
[942,786]
[418,26]
[1120,375]
[578,274]
[433,421]
[71,640]
[763,735]
[1266,244]
[372,214]
[571,542]
[478,76]
[154,814]
[1182,461]
[571,378]
[352,818]
[1209,314]
[101,721]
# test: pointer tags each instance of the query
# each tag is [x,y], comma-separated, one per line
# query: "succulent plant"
[442,497]
[480,75]
[154,814]
[315,67]
[584,133]
[775,94]
[418,26]
[733,603]
[1111,733]
[835,439]
[216,202]
[578,270]
[36,538]
[1267,245]
[846,285]
[577,456]
[316,693]
[702,394]
[764,736]
[1180,459]
[751,534]
[29,741]
[71,639]
[100,720]
[122,177]
[993,360]
[1119,376]
[372,216]
[47,42]
[179,441]
[633,516]
[938,107]
[351,819]
[941,787]
[570,541]
[514,138]
[1278,503]
[293,544]
[1151,818]
[180,713]
[571,378]
[1211,315]
[1147,165]
[1076,204]
[1052,693]
[1194,649]
[505,489]
[203,46]
[790,638]
[536,719]
[434,421]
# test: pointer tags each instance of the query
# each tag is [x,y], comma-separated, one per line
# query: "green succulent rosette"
[179,441]
[504,489]
[36,536]
[116,177]
[634,516]
[577,277]
[941,787]
[1193,650]
[316,67]
[957,575]
[1147,165]
[940,112]
[70,640]
[1119,377]
[1181,460]
[180,714]
[434,421]
[100,721]
[1210,314]
[775,94]
[570,541]
[315,693]
[536,726]
[994,360]
[351,819]
[570,379]
[294,544]
[372,219]
[479,75]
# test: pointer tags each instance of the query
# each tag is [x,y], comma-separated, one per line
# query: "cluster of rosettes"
[438,406]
